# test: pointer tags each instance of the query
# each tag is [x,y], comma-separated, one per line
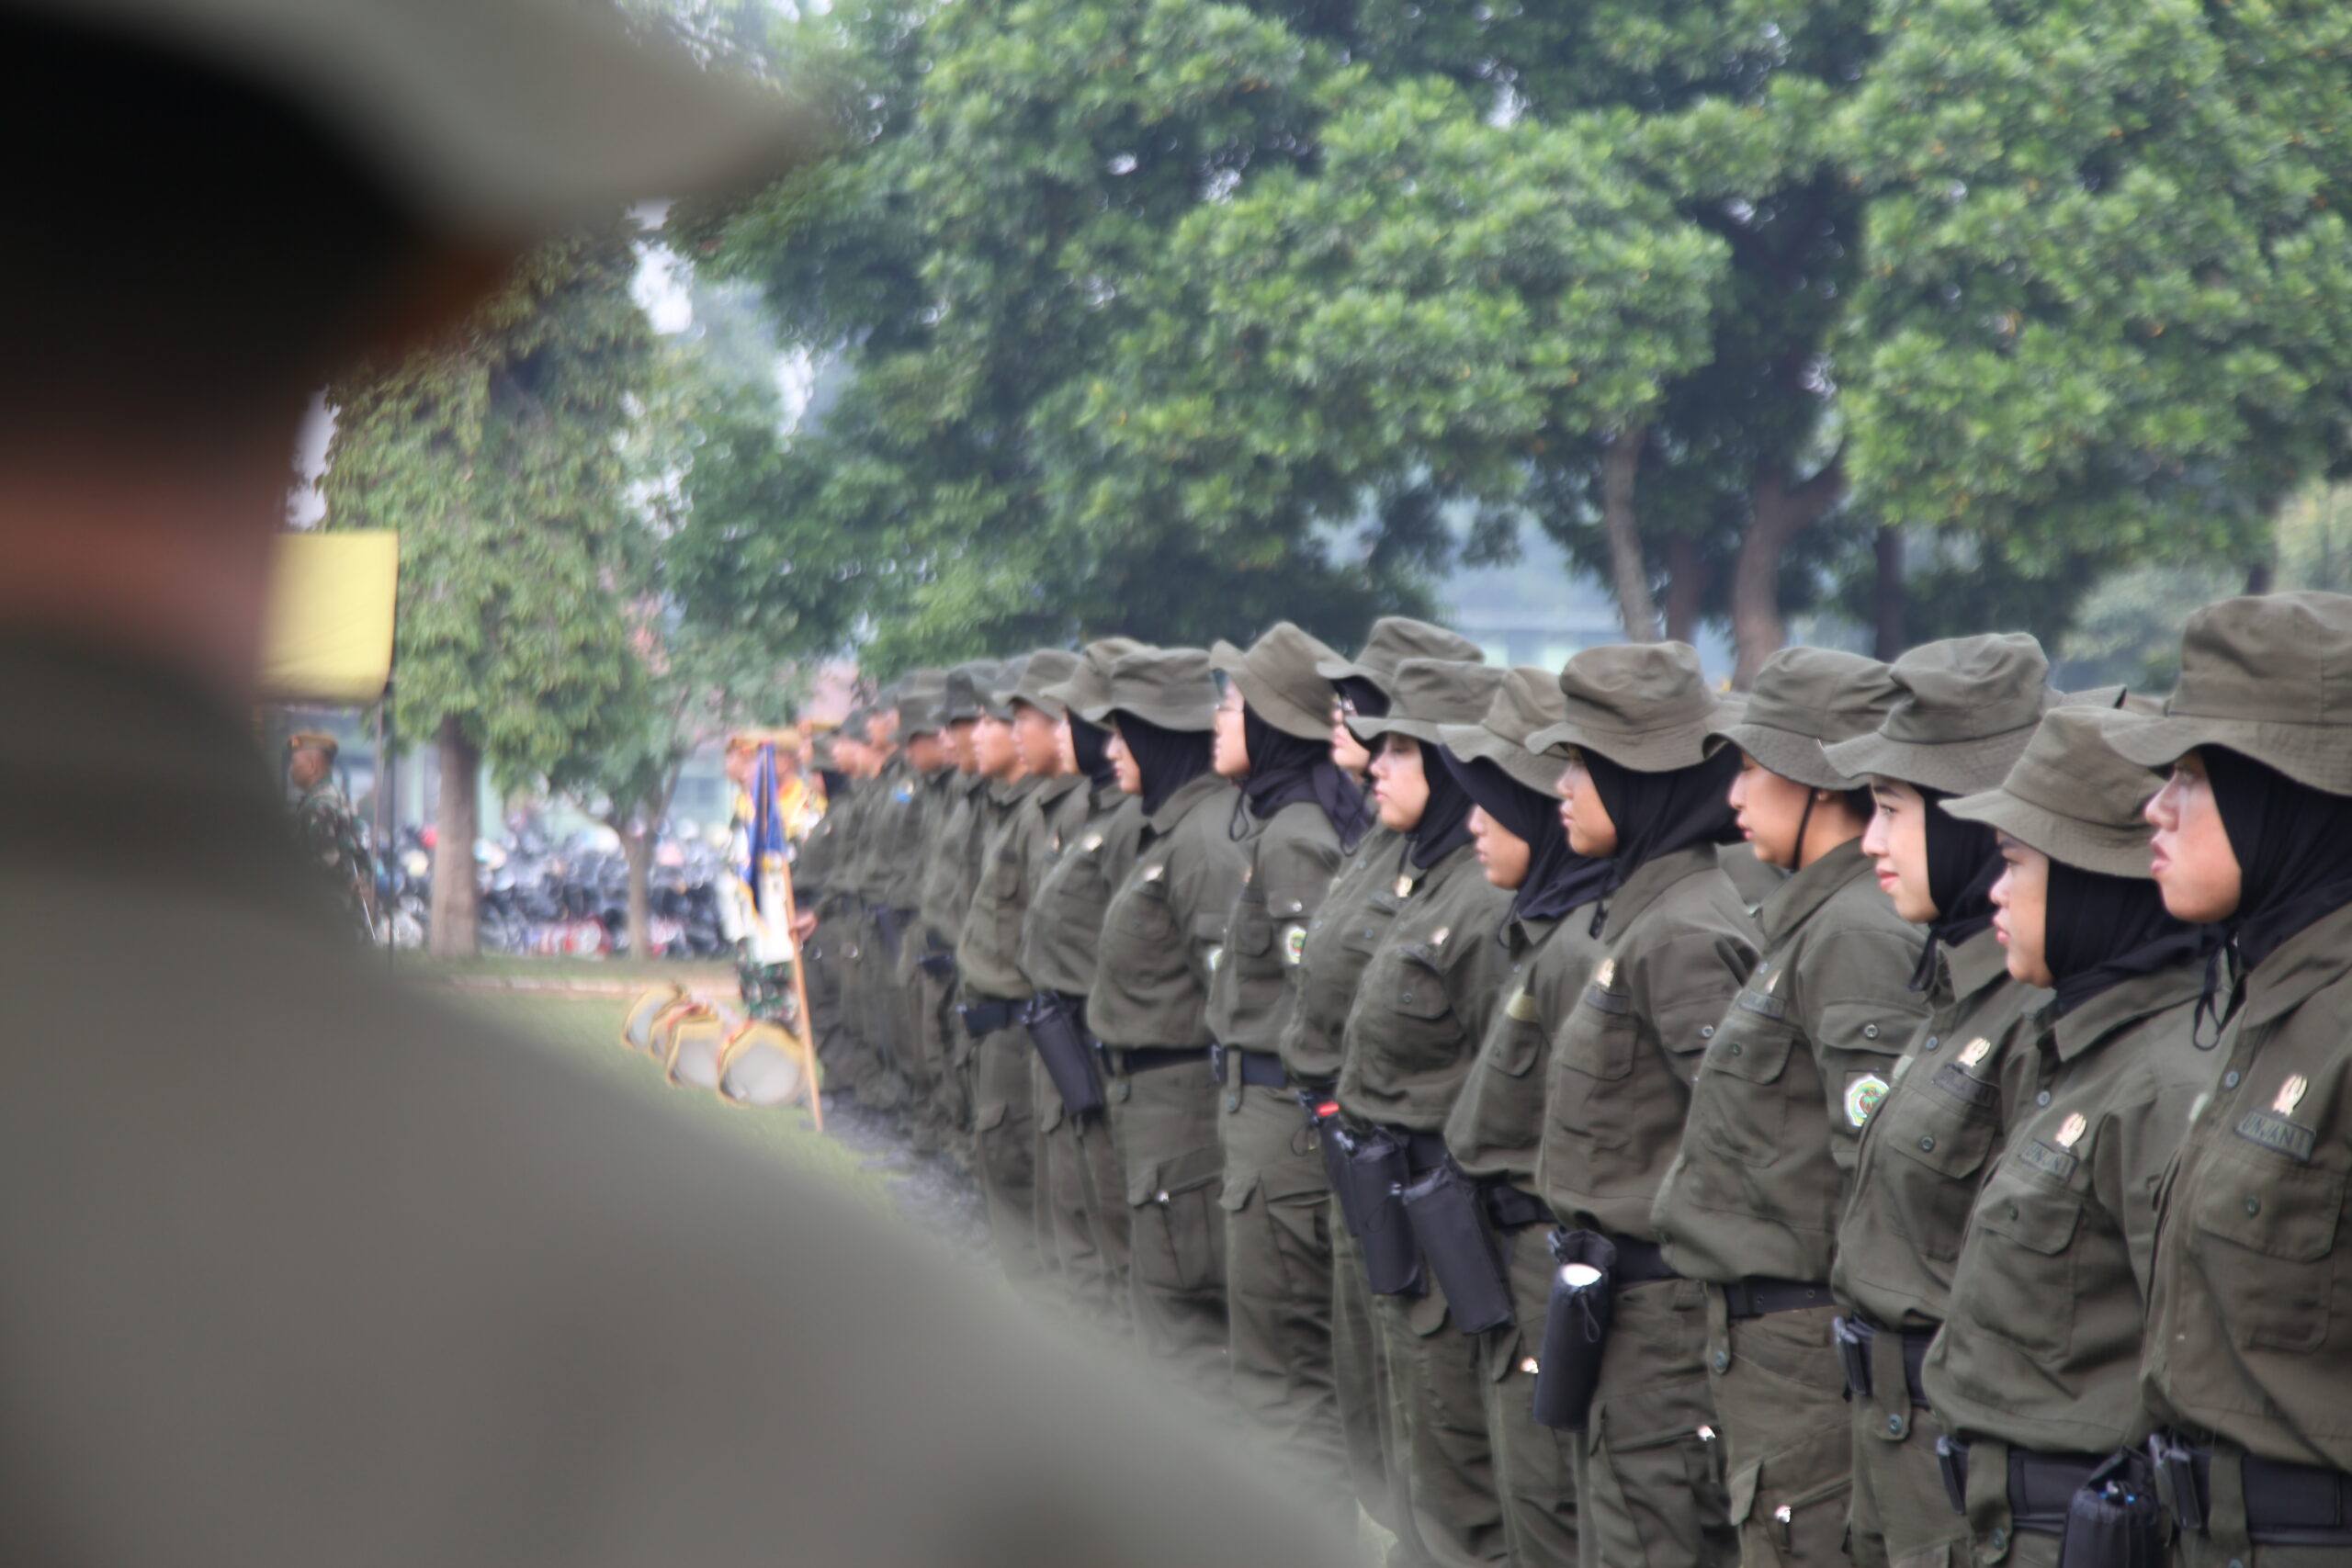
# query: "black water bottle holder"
[1576,1329]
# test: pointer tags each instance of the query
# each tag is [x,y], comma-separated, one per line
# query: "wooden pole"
[800,995]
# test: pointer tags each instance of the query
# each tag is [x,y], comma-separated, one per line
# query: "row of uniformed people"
[1869,1180]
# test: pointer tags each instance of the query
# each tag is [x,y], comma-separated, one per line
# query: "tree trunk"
[455,909]
[1886,593]
[1686,587]
[1777,516]
[2259,577]
[637,848]
[1619,466]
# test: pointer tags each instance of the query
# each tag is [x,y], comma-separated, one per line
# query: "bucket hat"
[492,117]
[1527,700]
[1170,687]
[1802,699]
[920,698]
[1428,694]
[2072,796]
[1278,680]
[1644,706]
[1967,707]
[2269,678]
[1048,668]
[961,696]
[1088,682]
[1391,640]
[996,693]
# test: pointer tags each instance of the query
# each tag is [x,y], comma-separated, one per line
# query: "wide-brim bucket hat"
[996,696]
[1802,699]
[1391,640]
[921,696]
[964,695]
[2269,678]
[1088,682]
[1277,679]
[2072,794]
[1170,687]
[1966,709]
[1644,706]
[1428,694]
[1527,700]
[1047,669]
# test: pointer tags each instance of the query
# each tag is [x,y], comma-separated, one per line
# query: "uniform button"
[2013,1211]
[1894,1426]
[2230,1079]
[2042,1098]
[1233,1102]
[1408,996]
[1933,1042]
[1870,1032]
[1929,1142]
[1722,1360]
[1736,1048]
[1998,1539]
[1706,1031]
[2252,1204]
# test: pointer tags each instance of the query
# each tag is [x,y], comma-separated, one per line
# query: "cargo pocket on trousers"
[1178,1240]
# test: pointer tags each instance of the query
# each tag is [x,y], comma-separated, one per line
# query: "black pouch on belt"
[887,924]
[1853,1339]
[1054,1024]
[1575,1329]
[938,959]
[1331,1135]
[1449,1218]
[1377,1172]
[2114,1520]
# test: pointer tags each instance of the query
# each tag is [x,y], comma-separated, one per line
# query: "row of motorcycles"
[566,898]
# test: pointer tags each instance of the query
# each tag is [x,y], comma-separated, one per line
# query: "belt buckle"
[1216,1062]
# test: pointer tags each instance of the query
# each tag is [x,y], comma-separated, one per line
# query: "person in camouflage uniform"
[329,830]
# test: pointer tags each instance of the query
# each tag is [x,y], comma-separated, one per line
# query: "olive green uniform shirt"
[1063,932]
[1356,909]
[1427,996]
[946,879]
[1924,1149]
[1678,943]
[1796,1065]
[895,876]
[304,1265]
[817,856]
[1291,858]
[1162,935]
[2041,1342]
[2247,1341]
[1496,1125]
[987,950]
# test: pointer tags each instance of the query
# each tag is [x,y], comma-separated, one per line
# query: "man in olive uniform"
[1340,939]
[2245,1358]
[2036,1371]
[843,909]
[1750,1204]
[816,901]
[947,883]
[1161,938]
[889,828]
[1081,1191]
[375,1290]
[330,833]
[1965,712]
[923,1049]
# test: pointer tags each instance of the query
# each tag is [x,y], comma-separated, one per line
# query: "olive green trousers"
[1649,1464]
[1164,1121]
[1534,1471]
[1780,1397]
[1437,1390]
[1084,1242]
[1004,1136]
[1360,1383]
[1900,1517]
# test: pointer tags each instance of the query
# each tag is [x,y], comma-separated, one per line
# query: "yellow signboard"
[328,636]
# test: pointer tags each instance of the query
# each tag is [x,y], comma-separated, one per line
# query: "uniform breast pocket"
[1515,1042]
[2026,1224]
[2268,1238]
[1592,1070]
[1146,920]
[1250,933]
[1418,1031]
[1742,1099]
[1941,1147]
[1004,878]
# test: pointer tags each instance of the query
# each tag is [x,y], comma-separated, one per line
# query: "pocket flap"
[1237,1193]
[2286,1212]
[2043,1223]
[1741,1483]
[1752,1049]
[1419,990]
[985,1117]
[1143,1185]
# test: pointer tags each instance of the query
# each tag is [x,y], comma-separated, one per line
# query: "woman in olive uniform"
[2246,1358]
[1161,938]
[1644,788]
[1357,908]
[1750,1204]
[1967,708]
[1496,1124]
[1418,1015]
[2036,1371]
[1297,815]
[1081,1192]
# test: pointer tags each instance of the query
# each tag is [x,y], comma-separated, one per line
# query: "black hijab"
[1445,826]
[1364,696]
[1168,759]
[1090,743]
[1285,769]
[2097,930]
[2294,850]
[1963,862]
[1658,814]
[1558,879]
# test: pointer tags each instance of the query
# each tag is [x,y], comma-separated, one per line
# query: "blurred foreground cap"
[1088,685]
[491,117]
[312,740]
[1048,668]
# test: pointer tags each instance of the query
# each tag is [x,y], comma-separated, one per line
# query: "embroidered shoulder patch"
[1864,1092]
[1293,944]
